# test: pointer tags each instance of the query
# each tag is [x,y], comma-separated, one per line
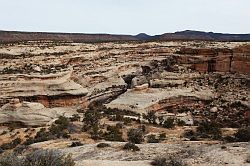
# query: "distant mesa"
[16,36]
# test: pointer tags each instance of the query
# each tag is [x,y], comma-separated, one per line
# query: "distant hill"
[199,35]
[15,36]
[143,36]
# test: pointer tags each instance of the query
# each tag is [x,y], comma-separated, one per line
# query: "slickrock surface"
[194,153]
[31,114]
[154,99]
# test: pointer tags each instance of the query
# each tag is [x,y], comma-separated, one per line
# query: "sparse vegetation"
[243,135]
[113,134]
[38,158]
[172,161]
[131,146]
[169,123]
[59,129]
[209,130]
[135,136]
[150,117]
[11,145]
[159,161]
[248,159]
[103,145]
[75,144]
[91,123]
[75,117]
[152,139]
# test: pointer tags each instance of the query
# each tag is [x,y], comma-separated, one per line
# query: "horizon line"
[104,33]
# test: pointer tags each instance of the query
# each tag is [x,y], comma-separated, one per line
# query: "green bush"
[102,145]
[152,139]
[95,132]
[91,118]
[75,144]
[131,146]
[209,130]
[162,136]
[159,161]
[169,123]
[113,134]
[59,129]
[243,135]
[150,116]
[75,117]
[135,136]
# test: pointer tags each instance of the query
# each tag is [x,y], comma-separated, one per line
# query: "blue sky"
[125,16]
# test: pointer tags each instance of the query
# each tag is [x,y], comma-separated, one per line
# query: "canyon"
[190,82]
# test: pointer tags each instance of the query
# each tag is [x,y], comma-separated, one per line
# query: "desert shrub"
[169,123]
[143,128]
[243,135]
[119,125]
[159,161]
[162,136]
[172,161]
[75,117]
[181,123]
[75,144]
[175,161]
[209,130]
[191,135]
[127,120]
[229,139]
[46,158]
[10,160]
[41,136]
[91,118]
[95,132]
[113,134]
[131,146]
[150,117]
[152,139]
[59,127]
[11,144]
[223,147]
[135,136]
[248,159]
[20,148]
[102,145]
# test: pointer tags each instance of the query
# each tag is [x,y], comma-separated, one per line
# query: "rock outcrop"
[30,114]
[52,90]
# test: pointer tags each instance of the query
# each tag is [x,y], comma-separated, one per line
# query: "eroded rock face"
[236,60]
[165,77]
[52,90]
[30,114]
